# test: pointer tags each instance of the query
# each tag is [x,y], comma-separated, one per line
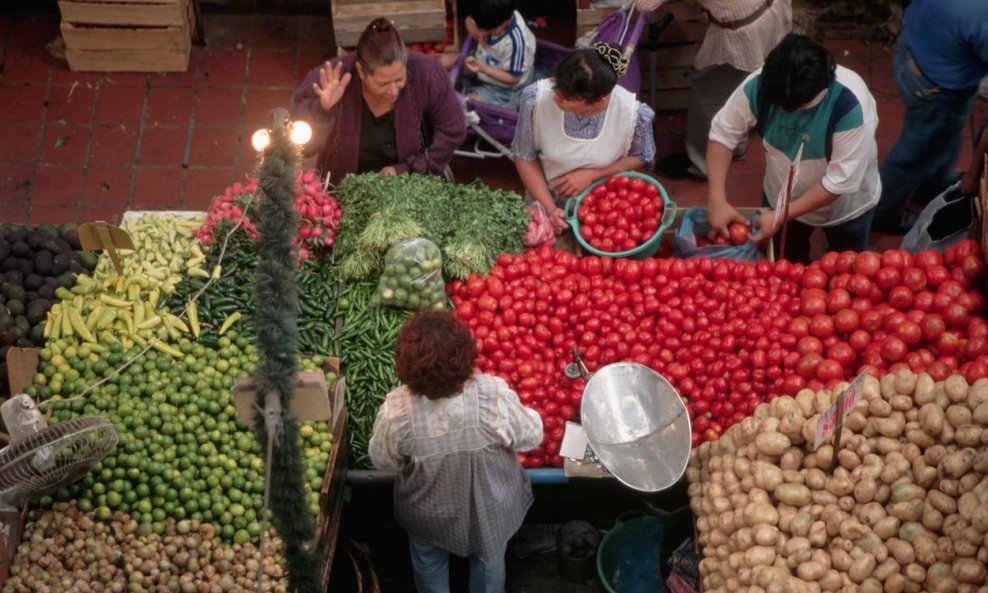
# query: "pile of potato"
[905,510]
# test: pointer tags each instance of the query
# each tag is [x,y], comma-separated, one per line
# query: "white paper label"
[574,443]
[828,420]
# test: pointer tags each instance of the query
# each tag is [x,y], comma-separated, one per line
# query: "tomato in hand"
[738,232]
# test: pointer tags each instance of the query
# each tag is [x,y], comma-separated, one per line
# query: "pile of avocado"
[34,261]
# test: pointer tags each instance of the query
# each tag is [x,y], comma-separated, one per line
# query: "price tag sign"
[785,192]
[834,414]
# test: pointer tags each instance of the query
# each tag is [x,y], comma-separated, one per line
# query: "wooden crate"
[452,48]
[331,499]
[416,20]
[132,36]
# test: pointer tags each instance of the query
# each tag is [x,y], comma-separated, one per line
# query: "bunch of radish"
[319,213]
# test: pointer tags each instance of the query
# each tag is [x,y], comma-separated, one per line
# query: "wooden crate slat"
[416,35]
[331,500]
[592,16]
[94,13]
[405,19]
[684,32]
[101,38]
[670,78]
[128,60]
[671,56]
[126,2]
[669,100]
[385,8]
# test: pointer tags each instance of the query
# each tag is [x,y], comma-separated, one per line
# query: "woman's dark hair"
[795,72]
[435,354]
[489,14]
[584,74]
[380,45]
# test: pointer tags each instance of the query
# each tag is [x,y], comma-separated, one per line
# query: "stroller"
[496,125]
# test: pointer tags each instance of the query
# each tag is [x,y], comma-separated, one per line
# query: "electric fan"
[42,458]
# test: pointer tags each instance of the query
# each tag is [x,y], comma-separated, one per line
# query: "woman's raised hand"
[331,85]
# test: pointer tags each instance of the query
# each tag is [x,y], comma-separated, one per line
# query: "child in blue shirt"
[505,58]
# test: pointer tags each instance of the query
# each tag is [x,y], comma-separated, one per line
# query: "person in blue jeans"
[451,434]
[940,57]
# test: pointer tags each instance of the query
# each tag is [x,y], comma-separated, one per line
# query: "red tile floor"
[85,146]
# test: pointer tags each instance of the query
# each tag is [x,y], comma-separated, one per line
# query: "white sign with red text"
[845,403]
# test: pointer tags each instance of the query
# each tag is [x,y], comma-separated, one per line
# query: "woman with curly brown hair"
[451,433]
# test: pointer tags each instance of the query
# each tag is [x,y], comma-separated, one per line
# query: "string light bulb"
[301,132]
[260,140]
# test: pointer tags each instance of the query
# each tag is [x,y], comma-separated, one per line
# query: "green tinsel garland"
[276,310]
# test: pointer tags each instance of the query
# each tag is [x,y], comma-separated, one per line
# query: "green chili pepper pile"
[366,350]
[233,291]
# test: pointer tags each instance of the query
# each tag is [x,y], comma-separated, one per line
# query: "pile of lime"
[182,451]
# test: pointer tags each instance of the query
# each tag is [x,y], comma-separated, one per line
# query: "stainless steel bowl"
[637,425]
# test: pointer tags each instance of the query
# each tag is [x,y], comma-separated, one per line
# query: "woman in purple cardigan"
[399,115]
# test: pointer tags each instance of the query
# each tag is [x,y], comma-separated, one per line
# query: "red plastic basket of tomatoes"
[621,216]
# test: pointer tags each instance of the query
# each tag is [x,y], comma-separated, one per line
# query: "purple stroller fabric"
[609,30]
[500,122]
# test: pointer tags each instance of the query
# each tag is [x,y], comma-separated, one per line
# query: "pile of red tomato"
[620,213]
[728,335]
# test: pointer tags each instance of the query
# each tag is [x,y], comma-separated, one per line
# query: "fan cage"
[53,457]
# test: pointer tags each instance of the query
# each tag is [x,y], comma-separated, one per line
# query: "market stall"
[156,346]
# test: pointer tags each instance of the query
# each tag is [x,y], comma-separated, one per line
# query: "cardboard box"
[312,400]
[128,36]
[22,365]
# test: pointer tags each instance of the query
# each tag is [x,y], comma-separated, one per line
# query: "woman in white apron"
[577,127]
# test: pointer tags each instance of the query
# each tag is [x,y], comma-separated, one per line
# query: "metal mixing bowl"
[637,426]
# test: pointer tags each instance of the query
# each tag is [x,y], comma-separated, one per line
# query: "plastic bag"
[947,219]
[694,223]
[539,229]
[412,277]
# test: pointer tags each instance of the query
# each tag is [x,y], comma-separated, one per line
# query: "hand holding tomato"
[765,225]
[719,217]
[739,232]
[573,183]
